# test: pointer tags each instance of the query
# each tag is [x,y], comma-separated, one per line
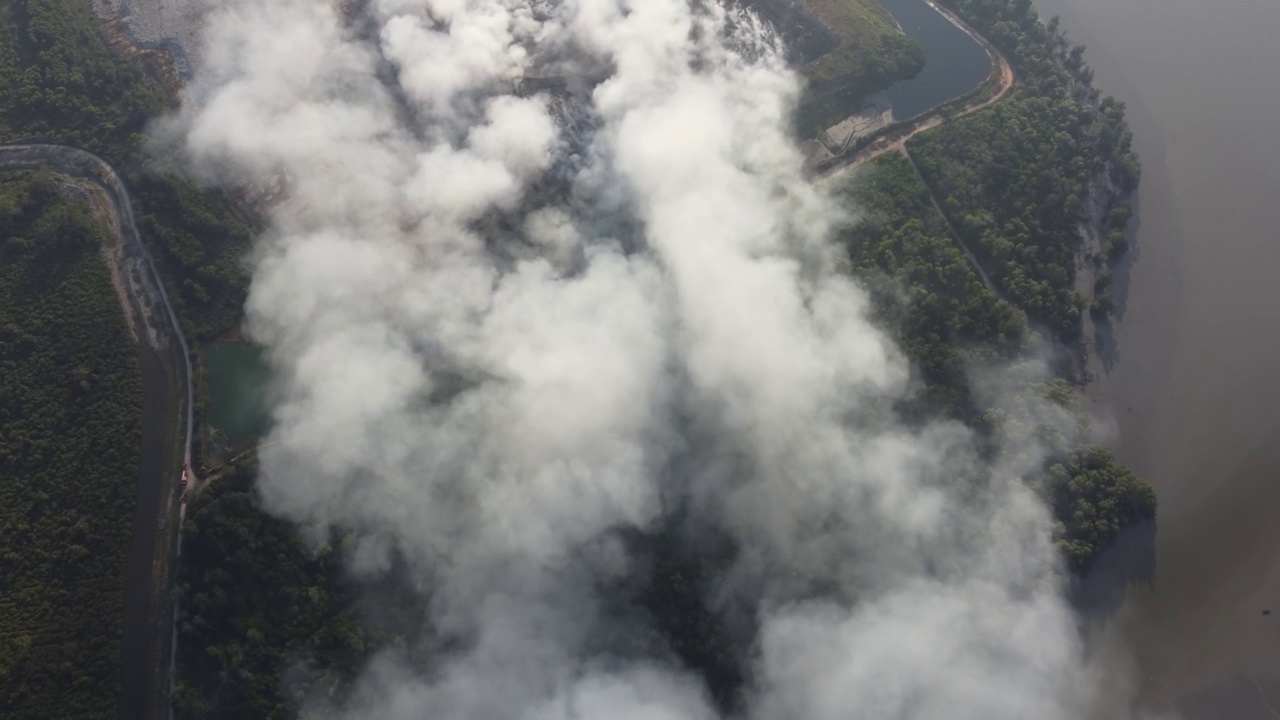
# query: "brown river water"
[1193,389]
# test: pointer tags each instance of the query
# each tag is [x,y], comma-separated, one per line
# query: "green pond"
[239,390]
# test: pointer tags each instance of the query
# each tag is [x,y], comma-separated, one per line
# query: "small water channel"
[954,63]
[239,391]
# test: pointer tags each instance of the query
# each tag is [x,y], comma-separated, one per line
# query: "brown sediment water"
[1192,388]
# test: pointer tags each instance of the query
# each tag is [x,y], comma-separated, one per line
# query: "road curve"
[895,139]
[143,299]
[84,165]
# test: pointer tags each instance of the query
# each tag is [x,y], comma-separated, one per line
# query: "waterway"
[239,391]
[954,62]
[1193,391]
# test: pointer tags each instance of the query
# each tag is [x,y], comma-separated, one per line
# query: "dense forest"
[63,81]
[60,81]
[70,441]
[70,391]
[926,291]
[1017,180]
[267,622]
[950,324]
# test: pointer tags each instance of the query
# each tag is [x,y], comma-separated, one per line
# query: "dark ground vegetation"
[70,441]
[259,606]
[1016,179]
[63,81]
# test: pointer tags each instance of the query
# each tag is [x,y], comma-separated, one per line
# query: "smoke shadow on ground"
[683,570]
[1129,560]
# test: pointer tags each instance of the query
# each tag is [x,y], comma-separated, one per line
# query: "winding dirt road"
[896,139]
[146,306]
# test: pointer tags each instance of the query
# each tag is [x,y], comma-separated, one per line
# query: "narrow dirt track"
[145,302]
[964,248]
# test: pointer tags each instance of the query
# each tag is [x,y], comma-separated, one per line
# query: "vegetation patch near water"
[870,55]
[1015,179]
[268,622]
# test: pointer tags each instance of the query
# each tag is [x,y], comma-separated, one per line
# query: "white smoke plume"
[518,327]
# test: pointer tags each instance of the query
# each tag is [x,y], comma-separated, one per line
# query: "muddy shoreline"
[1187,387]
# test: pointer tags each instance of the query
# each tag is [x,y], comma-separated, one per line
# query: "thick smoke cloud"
[517,327]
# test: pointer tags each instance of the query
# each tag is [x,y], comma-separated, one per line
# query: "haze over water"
[1195,391]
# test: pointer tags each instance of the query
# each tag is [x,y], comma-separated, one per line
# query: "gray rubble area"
[173,25]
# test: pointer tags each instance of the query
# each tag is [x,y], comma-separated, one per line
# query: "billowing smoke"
[547,290]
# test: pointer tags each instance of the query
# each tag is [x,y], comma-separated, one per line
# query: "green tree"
[70,442]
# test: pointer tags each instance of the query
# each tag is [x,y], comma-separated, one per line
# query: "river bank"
[1188,392]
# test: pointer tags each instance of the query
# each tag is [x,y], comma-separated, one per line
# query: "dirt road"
[896,139]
